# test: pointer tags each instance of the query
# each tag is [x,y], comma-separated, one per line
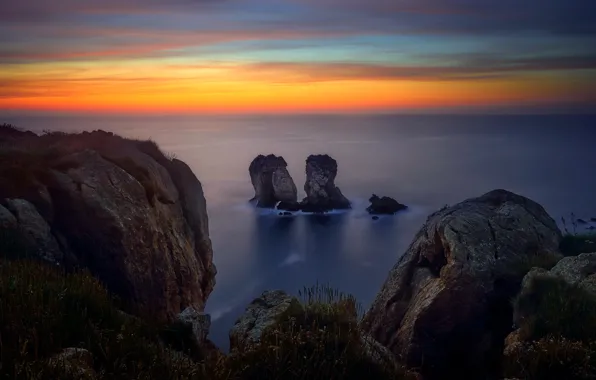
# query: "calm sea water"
[423,161]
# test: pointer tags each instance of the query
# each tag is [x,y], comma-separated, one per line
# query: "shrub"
[551,358]
[315,339]
[44,311]
[576,244]
[553,306]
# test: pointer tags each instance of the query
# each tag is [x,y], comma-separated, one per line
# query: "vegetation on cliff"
[45,311]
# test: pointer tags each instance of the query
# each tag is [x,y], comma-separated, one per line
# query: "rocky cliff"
[120,208]
[446,305]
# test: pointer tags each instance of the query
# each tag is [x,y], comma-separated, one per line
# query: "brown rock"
[272,181]
[145,253]
[321,192]
[445,307]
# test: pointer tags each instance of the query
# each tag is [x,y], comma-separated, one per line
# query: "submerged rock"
[321,192]
[581,221]
[445,305]
[384,205]
[272,181]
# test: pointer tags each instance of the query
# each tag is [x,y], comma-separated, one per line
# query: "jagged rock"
[262,312]
[384,205]
[199,322]
[272,181]
[321,193]
[581,221]
[73,363]
[32,231]
[445,306]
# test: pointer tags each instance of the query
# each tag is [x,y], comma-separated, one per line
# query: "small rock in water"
[384,205]
[593,220]
[581,221]
[591,228]
[375,218]
[287,213]
[280,214]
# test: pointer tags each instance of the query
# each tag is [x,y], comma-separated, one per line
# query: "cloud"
[465,68]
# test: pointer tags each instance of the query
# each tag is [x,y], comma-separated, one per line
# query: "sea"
[424,161]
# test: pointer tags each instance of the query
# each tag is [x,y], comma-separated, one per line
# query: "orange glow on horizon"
[147,86]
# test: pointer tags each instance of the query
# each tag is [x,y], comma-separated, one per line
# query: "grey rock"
[7,219]
[272,181]
[200,323]
[446,303]
[321,192]
[576,269]
[260,314]
[34,231]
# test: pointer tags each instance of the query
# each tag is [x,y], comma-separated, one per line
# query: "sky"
[244,56]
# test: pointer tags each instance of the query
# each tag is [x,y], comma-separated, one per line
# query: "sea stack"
[272,181]
[321,193]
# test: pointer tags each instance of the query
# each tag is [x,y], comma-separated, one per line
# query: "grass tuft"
[550,305]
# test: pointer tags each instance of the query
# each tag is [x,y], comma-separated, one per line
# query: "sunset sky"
[235,56]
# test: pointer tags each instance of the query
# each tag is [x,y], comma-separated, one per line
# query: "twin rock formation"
[274,186]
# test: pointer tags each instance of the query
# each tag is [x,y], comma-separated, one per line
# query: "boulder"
[261,313]
[321,192]
[384,205]
[272,181]
[199,322]
[445,306]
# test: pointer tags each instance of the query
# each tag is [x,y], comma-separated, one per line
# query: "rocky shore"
[484,291]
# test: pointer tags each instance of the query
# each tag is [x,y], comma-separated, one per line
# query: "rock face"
[260,314]
[36,235]
[321,192]
[272,181]
[199,322]
[120,208]
[384,205]
[446,303]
